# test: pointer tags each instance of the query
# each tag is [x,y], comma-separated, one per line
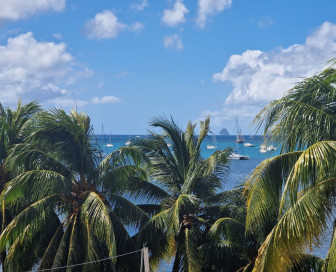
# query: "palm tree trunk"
[176,262]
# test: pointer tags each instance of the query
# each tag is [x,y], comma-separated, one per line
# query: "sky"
[124,62]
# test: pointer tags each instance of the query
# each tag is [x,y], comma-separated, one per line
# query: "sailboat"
[239,139]
[214,143]
[110,143]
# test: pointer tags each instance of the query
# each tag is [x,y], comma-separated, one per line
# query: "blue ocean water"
[239,169]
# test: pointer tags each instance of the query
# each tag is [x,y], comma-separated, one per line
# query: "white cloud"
[64,102]
[58,36]
[258,77]
[106,25]
[266,21]
[208,8]
[173,42]
[106,100]
[121,74]
[35,70]
[176,15]
[140,5]
[19,9]
[136,27]
[67,102]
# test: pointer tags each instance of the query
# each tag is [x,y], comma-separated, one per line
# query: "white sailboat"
[239,139]
[214,143]
[110,143]
[271,148]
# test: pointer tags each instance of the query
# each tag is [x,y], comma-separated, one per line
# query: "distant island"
[224,132]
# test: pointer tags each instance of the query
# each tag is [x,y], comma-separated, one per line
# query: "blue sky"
[125,62]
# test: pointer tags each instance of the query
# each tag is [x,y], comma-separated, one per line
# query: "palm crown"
[183,186]
[67,202]
[291,197]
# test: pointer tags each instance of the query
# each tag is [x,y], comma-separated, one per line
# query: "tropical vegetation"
[67,206]
[291,197]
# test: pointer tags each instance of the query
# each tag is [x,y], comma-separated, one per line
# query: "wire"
[96,261]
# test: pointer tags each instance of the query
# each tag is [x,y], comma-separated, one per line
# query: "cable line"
[96,261]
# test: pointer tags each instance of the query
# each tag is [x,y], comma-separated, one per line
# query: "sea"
[239,169]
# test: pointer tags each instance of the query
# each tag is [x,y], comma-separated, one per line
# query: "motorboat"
[249,145]
[263,150]
[236,156]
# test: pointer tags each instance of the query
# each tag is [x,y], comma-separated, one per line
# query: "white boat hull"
[236,156]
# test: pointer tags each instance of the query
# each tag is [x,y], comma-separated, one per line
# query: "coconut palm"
[227,248]
[182,185]
[68,203]
[291,197]
[12,131]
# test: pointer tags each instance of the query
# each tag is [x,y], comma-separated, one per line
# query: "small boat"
[263,150]
[109,145]
[262,146]
[249,145]
[236,156]
[213,145]
[169,144]
[239,139]
[271,148]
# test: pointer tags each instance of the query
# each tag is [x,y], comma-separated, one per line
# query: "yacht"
[213,145]
[271,148]
[249,145]
[236,156]
[239,139]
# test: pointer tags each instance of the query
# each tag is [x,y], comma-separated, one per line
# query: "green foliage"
[58,178]
[181,185]
[291,197]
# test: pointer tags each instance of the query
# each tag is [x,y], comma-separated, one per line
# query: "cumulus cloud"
[106,100]
[65,102]
[106,25]
[19,9]
[208,8]
[258,77]
[173,42]
[30,69]
[176,15]
[140,5]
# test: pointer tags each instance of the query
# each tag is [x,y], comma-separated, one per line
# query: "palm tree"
[227,248]
[12,131]
[68,203]
[291,197]
[182,185]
